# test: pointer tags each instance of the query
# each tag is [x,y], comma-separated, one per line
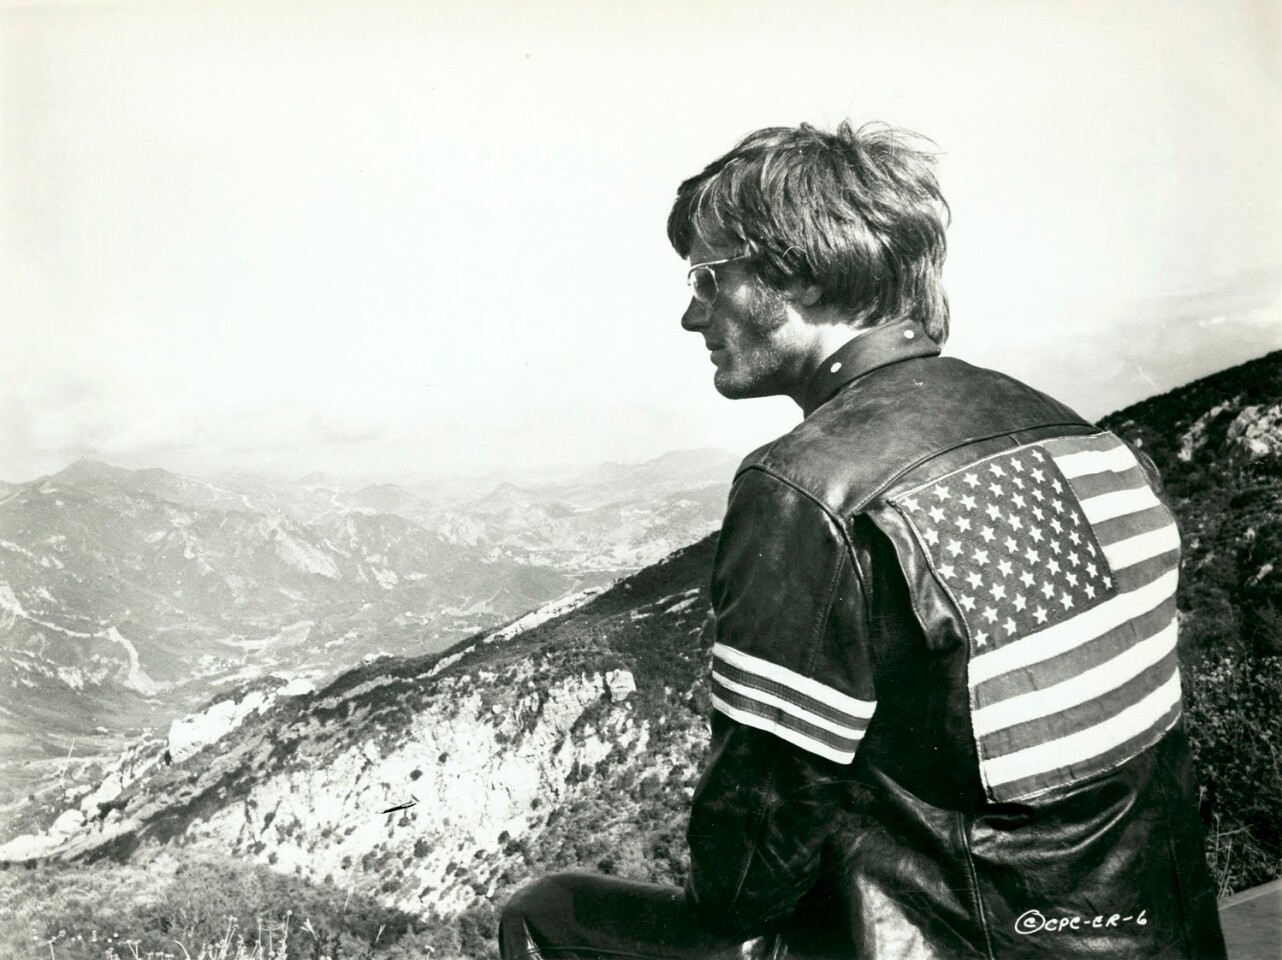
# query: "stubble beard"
[756,364]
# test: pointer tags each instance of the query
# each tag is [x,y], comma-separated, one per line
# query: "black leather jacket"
[946,701]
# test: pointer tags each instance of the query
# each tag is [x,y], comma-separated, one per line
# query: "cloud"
[1255,296]
[1153,344]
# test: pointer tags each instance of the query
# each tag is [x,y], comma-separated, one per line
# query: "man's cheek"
[766,320]
[764,312]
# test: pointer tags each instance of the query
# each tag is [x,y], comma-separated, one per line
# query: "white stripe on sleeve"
[856,709]
[787,706]
[795,737]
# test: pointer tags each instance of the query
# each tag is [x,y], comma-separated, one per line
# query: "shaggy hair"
[857,213]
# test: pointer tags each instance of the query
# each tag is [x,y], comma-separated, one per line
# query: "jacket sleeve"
[792,694]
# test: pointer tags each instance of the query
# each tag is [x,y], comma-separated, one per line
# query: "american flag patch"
[1063,564]
[796,708]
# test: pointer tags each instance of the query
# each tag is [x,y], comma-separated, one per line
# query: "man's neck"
[828,339]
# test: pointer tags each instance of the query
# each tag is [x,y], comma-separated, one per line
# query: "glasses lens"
[703,284]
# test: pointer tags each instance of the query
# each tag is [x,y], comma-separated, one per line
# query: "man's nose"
[695,317]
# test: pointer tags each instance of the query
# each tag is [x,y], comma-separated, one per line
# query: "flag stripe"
[1116,459]
[1085,715]
[781,698]
[1084,744]
[1137,575]
[794,731]
[1089,684]
[1062,447]
[1072,633]
[1106,506]
[1144,546]
[1093,484]
[1055,670]
[1115,756]
[1098,683]
[805,686]
[1145,521]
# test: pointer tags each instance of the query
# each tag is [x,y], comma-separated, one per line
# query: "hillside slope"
[1218,445]
[503,750]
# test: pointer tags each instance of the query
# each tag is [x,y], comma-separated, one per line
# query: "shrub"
[203,902]
[1235,728]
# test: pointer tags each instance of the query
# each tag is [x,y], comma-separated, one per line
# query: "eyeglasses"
[702,279]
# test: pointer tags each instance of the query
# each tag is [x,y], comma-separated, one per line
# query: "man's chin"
[737,388]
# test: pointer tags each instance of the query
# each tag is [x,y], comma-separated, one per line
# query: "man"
[946,698]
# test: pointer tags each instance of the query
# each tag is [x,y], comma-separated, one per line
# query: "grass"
[1235,728]
[201,907]
[271,941]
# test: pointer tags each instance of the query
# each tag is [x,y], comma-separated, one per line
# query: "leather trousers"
[584,916]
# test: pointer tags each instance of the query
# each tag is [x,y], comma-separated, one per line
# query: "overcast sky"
[412,239]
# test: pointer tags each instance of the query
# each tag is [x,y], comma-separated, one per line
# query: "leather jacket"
[946,699]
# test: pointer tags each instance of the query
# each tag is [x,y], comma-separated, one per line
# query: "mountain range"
[128,598]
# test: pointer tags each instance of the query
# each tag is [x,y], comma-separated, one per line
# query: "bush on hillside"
[203,903]
[1235,728]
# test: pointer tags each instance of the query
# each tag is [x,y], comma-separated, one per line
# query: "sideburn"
[765,311]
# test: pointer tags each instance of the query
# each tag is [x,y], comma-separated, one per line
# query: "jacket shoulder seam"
[863,502]
[848,556]
[837,521]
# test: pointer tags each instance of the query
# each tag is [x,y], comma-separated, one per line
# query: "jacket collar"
[880,346]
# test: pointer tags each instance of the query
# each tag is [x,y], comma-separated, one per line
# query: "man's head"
[845,227]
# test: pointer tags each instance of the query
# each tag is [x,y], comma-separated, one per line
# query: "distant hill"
[572,737]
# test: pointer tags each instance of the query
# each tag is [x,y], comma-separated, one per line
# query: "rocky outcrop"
[620,683]
[297,687]
[27,846]
[111,787]
[1256,432]
[542,615]
[469,780]
[1194,438]
[93,809]
[192,733]
[488,752]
